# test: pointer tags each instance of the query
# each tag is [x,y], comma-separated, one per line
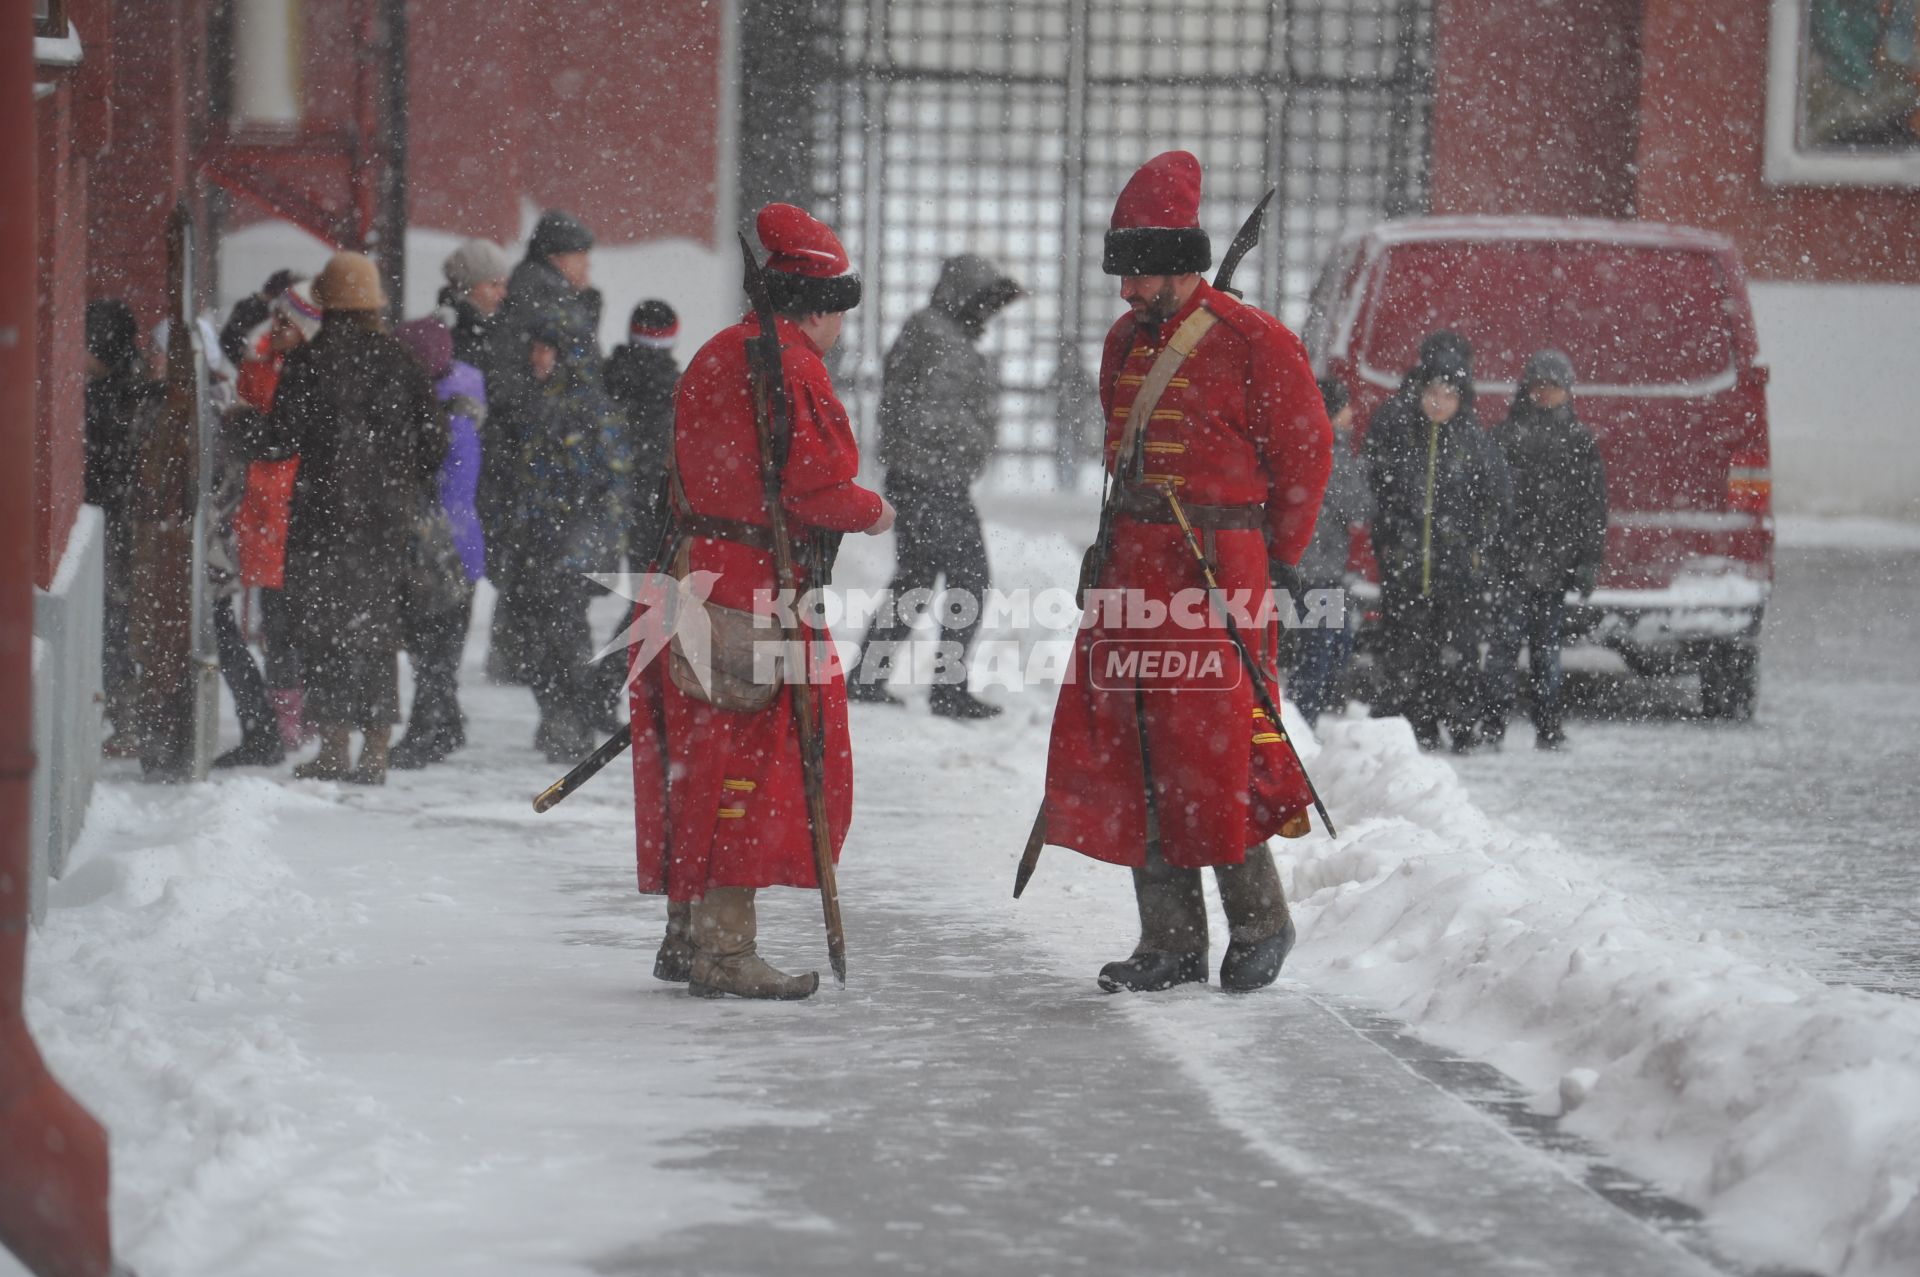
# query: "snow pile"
[1788,1110]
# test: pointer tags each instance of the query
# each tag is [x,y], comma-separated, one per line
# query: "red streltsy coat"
[1241,423]
[718,796]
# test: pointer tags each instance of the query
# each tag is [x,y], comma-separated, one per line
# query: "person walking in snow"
[449,556]
[554,277]
[360,414]
[1441,498]
[641,376]
[939,416]
[1321,652]
[720,807]
[1169,776]
[1554,543]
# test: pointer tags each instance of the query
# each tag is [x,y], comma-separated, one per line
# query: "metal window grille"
[1007,127]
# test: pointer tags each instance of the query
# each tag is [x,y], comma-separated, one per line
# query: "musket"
[1125,474]
[772,422]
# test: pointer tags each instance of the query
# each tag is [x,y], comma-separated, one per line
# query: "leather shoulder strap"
[1186,338]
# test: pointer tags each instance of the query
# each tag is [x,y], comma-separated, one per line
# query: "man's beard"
[1160,307]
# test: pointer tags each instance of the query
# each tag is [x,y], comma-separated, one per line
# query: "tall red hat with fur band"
[808,269]
[1156,221]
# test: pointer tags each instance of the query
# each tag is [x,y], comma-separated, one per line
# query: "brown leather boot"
[1257,918]
[334,761]
[724,959]
[674,962]
[373,758]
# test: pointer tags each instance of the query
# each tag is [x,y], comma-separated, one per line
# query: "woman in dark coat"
[360,414]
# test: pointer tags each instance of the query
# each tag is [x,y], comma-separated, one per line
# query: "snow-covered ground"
[412,1030]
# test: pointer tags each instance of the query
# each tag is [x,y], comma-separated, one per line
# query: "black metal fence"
[924,128]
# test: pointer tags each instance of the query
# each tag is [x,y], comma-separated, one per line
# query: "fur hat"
[350,282]
[295,304]
[558,232]
[477,261]
[113,334]
[809,272]
[1333,393]
[1156,221]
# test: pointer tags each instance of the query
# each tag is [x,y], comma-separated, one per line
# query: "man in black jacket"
[938,422]
[1554,543]
[1441,498]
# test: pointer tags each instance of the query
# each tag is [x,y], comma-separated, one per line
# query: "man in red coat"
[1168,767]
[721,810]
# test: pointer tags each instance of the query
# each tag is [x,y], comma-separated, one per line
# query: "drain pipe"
[53,1155]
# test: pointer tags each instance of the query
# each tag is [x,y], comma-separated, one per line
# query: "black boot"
[1257,919]
[674,962]
[953,700]
[1256,964]
[425,745]
[1151,971]
[874,693]
[259,747]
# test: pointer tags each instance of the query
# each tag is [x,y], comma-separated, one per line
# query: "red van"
[1657,322]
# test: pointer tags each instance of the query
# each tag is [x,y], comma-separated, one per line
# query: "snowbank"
[1787,1110]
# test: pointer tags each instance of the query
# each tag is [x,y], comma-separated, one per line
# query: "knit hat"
[1156,221]
[428,341]
[653,324]
[1547,368]
[295,304]
[350,282]
[808,269]
[558,232]
[478,261]
[566,328]
[1445,356]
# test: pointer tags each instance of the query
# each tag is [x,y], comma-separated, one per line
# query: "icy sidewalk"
[412,1031]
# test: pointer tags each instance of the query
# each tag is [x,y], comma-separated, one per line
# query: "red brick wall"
[1534,107]
[609,110]
[1703,104]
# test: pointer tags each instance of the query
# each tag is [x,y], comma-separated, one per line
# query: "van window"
[1627,315]
[1324,303]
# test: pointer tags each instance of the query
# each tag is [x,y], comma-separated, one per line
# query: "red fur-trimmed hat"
[809,270]
[1156,221]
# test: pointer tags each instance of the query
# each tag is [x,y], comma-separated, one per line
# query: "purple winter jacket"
[464,391]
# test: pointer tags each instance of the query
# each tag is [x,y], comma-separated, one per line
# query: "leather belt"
[1149,505]
[757,535]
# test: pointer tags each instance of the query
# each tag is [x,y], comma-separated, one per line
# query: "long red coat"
[718,798]
[260,524]
[1241,423]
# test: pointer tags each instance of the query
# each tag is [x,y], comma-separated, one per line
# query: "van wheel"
[1729,681]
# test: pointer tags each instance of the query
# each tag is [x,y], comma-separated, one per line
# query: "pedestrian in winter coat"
[448,556]
[939,414]
[720,807]
[1170,775]
[122,402]
[1441,499]
[1325,645]
[476,287]
[641,376]
[553,280]
[360,414]
[571,503]
[1554,543]
[260,525]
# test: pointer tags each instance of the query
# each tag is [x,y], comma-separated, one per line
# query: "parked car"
[1657,321]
